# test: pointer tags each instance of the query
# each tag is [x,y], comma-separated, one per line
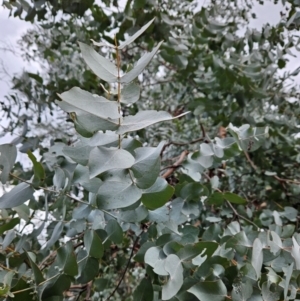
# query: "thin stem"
[118,59]
[234,210]
[176,164]
[129,171]
[82,259]
[43,282]
[49,190]
[275,176]
[7,269]
[241,216]
[88,291]
[32,288]
[126,268]
[108,213]
[66,194]
[23,290]
[287,180]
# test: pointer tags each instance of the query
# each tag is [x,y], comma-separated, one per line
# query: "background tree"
[227,188]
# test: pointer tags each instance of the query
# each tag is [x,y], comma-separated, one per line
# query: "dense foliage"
[165,161]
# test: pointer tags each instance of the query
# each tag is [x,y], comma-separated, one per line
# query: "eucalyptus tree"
[202,206]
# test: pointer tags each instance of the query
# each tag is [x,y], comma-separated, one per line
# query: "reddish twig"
[250,161]
[176,164]
[287,180]
[88,291]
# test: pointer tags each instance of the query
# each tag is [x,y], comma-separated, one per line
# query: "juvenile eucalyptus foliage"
[105,224]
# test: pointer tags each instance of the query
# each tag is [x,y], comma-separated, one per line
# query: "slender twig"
[66,194]
[250,161]
[176,164]
[7,269]
[88,291]
[171,166]
[49,190]
[126,268]
[108,213]
[203,131]
[241,216]
[32,288]
[43,264]
[23,290]
[234,210]
[180,144]
[275,176]
[287,180]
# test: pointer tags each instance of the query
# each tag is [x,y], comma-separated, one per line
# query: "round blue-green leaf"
[114,231]
[66,259]
[93,244]
[103,159]
[209,290]
[157,195]
[174,268]
[234,198]
[144,291]
[117,194]
[130,93]
[215,199]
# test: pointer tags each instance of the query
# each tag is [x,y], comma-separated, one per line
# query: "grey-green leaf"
[102,67]
[140,66]
[257,256]
[270,293]
[147,165]
[55,235]
[79,99]
[78,154]
[117,191]
[103,159]
[144,291]
[242,291]
[209,290]
[38,275]
[153,256]
[93,244]
[114,231]
[234,198]
[144,119]
[174,267]
[8,155]
[296,253]
[17,196]
[130,93]
[88,268]
[158,194]
[136,35]
[66,259]
[134,216]
[276,243]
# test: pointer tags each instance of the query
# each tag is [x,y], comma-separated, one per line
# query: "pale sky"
[10,31]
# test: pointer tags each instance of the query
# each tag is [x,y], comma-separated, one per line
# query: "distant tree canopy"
[165,160]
